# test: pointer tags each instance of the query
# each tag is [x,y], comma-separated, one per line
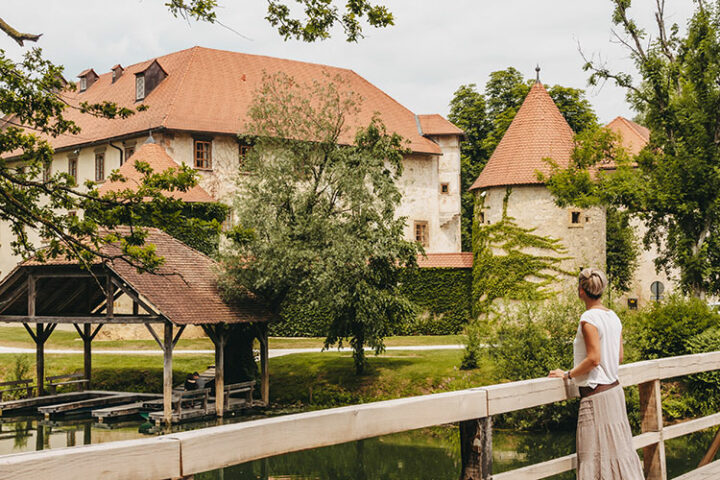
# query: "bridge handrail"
[192,452]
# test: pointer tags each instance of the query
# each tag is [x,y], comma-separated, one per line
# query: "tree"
[486,117]
[318,218]
[622,249]
[675,188]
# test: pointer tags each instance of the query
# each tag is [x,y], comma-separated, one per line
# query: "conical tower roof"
[538,131]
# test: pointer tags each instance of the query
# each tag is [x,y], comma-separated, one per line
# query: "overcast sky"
[434,47]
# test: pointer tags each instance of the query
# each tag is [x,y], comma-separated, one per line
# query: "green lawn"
[18,337]
[315,379]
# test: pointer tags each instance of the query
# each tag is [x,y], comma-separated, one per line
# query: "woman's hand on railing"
[557,373]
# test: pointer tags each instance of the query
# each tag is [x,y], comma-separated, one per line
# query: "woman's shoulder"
[597,314]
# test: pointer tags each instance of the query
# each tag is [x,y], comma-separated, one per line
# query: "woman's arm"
[592,359]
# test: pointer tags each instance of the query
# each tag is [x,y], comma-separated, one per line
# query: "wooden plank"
[540,470]
[31,403]
[639,372]
[652,421]
[118,411]
[147,459]
[476,449]
[40,360]
[167,372]
[221,337]
[508,397]
[118,319]
[87,338]
[690,426]
[710,471]
[217,447]
[100,401]
[687,364]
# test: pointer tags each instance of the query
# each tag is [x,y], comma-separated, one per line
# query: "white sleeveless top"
[610,330]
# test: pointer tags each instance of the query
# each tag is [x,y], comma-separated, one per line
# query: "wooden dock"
[79,406]
[187,414]
[110,413]
[16,406]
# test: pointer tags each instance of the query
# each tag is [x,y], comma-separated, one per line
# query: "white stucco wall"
[532,206]
[419,184]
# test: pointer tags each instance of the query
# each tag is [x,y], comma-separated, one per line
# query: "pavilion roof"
[184,290]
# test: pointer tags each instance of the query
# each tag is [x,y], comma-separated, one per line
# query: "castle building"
[539,132]
[197,103]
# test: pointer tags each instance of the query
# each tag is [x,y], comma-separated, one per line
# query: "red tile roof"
[436,124]
[633,136]
[159,161]
[184,289]
[538,131]
[446,260]
[210,90]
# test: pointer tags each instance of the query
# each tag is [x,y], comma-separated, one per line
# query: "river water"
[427,454]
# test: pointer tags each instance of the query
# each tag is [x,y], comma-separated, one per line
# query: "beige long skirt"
[604,440]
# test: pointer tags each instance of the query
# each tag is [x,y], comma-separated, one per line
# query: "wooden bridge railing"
[187,453]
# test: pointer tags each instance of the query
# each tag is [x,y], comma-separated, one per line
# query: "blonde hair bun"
[593,281]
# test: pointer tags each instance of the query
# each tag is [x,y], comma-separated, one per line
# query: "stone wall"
[532,206]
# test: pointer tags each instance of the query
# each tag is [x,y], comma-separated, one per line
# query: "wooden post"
[87,352]
[167,373]
[40,359]
[652,421]
[476,449]
[264,371]
[220,339]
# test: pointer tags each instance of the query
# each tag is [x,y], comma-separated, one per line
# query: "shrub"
[662,330]
[705,387]
[527,340]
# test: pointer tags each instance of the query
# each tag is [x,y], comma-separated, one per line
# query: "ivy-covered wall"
[442,299]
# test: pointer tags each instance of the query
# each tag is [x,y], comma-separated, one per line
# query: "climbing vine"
[504,265]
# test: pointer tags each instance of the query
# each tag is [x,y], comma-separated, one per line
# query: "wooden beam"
[95,332]
[71,318]
[476,449]
[32,295]
[221,336]
[87,352]
[109,297]
[155,336]
[40,360]
[14,296]
[167,373]
[130,293]
[712,451]
[177,335]
[264,366]
[32,334]
[652,421]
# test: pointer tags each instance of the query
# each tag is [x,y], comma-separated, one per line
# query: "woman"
[604,440]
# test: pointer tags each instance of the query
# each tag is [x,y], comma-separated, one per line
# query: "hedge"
[442,299]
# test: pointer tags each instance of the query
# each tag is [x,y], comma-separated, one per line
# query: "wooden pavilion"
[183,291]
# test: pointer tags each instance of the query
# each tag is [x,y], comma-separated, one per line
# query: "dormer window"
[117,71]
[146,80]
[139,87]
[87,78]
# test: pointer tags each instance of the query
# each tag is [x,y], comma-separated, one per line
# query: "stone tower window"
[422,235]
[575,219]
[445,188]
[481,217]
[72,168]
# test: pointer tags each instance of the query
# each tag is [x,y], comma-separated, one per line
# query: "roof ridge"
[171,103]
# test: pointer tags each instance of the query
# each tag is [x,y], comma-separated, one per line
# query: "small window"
[128,153]
[445,188]
[47,172]
[421,234]
[632,303]
[83,84]
[576,218]
[203,154]
[139,87]
[481,217]
[99,167]
[244,150]
[72,213]
[72,168]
